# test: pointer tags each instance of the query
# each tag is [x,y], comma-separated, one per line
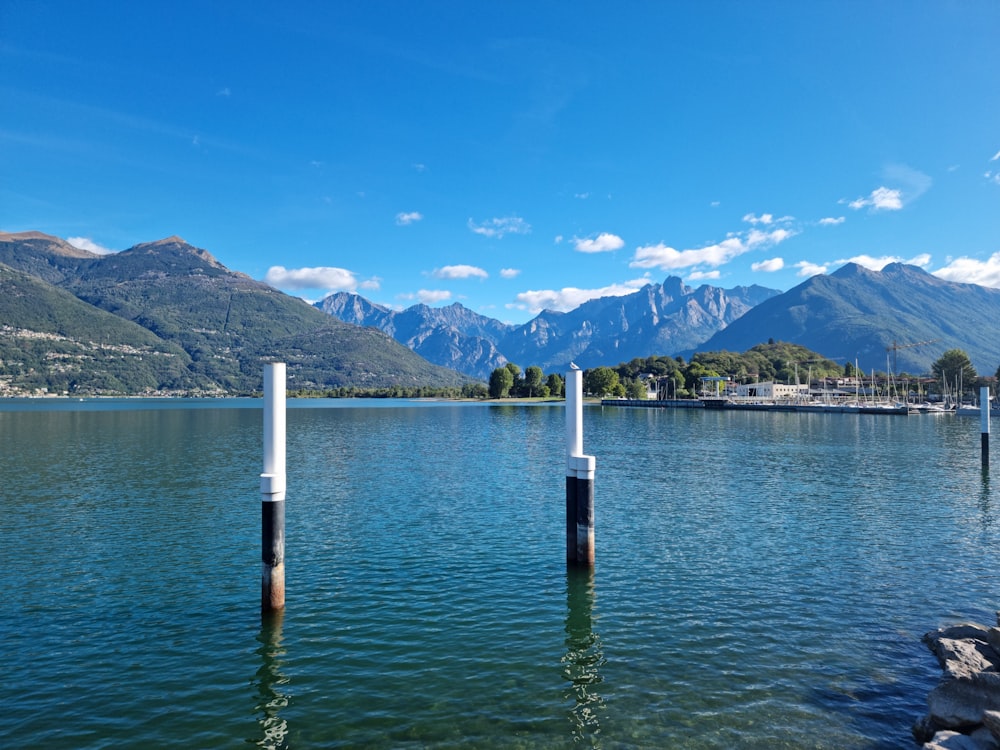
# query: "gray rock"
[992,721]
[965,657]
[959,703]
[962,630]
[985,739]
[949,740]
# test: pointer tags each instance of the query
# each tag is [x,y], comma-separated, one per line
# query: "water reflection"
[269,680]
[984,500]
[584,657]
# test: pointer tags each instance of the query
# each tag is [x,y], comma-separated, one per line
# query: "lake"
[762,579]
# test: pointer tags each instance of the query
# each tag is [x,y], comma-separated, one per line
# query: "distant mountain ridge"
[165,316]
[656,319]
[220,326]
[451,336]
[900,318]
[879,319]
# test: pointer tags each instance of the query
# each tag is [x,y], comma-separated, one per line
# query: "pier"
[676,403]
[754,405]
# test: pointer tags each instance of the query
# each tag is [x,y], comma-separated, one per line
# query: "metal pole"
[984,415]
[272,490]
[579,478]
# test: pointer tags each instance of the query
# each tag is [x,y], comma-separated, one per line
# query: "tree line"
[674,377]
[775,361]
[509,382]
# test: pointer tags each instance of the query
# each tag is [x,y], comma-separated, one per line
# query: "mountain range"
[167,317]
[656,319]
[901,319]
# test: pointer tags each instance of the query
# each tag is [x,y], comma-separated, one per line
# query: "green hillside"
[50,341]
[220,326]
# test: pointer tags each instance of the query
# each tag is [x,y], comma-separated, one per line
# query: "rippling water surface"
[762,580]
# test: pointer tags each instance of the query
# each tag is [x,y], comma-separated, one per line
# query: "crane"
[896,347]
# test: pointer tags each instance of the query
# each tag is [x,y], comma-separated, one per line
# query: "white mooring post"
[579,478]
[272,490]
[984,415]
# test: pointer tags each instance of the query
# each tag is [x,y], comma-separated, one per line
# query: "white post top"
[574,413]
[274,420]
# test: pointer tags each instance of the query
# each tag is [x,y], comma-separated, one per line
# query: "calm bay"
[762,579]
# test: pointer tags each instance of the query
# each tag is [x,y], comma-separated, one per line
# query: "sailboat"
[965,410]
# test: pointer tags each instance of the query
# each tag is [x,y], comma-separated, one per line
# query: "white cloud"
[877,264]
[756,237]
[703,275]
[806,268]
[913,182]
[762,219]
[768,266]
[993,177]
[569,298]
[510,273]
[558,240]
[667,258]
[85,243]
[459,272]
[431,296]
[831,221]
[880,199]
[224,92]
[972,271]
[418,167]
[405,219]
[581,196]
[321,277]
[995,156]
[500,226]
[604,243]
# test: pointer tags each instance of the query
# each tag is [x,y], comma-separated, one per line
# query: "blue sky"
[510,156]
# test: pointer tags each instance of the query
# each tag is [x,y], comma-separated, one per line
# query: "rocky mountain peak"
[48,243]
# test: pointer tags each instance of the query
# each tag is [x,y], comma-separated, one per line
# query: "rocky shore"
[964,708]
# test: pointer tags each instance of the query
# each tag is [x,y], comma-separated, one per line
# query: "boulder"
[992,721]
[959,702]
[949,740]
[965,657]
[964,708]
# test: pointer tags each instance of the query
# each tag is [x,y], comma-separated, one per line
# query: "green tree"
[501,380]
[533,380]
[557,386]
[953,368]
[635,389]
[517,382]
[475,390]
[600,381]
[693,375]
